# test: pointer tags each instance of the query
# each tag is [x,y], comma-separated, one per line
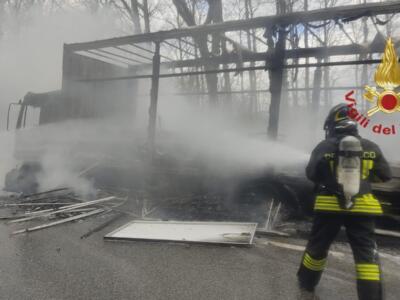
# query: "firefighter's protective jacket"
[321,170]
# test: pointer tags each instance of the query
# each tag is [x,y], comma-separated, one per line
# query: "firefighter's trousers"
[360,233]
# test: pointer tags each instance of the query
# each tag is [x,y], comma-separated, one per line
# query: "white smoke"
[31,60]
[31,50]
[7,161]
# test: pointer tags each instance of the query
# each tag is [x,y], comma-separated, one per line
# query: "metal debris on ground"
[103,225]
[235,233]
[68,208]
[60,205]
[388,233]
[62,221]
[271,224]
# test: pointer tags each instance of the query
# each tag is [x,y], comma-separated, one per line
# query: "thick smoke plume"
[31,60]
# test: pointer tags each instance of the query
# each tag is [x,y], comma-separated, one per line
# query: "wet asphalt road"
[56,264]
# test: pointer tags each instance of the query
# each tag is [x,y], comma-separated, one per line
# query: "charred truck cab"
[47,106]
[76,100]
[35,109]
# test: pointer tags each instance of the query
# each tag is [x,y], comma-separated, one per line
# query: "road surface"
[55,263]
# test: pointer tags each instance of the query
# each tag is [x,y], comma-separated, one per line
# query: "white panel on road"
[198,232]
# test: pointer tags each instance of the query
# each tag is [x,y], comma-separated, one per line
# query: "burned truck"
[93,121]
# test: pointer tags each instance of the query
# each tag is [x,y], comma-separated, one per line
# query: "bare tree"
[214,15]
[131,11]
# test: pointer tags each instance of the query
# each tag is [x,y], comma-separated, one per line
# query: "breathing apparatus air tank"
[349,168]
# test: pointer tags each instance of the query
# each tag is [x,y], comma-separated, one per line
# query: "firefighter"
[342,167]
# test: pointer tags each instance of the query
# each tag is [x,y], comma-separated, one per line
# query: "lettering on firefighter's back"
[365,121]
[366,155]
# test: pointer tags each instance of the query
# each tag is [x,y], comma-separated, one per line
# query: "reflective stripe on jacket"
[366,204]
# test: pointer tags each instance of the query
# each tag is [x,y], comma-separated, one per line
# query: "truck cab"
[24,117]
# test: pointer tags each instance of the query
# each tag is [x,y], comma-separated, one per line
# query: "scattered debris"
[36,204]
[300,248]
[88,169]
[103,225]
[389,233]
[49,212]
[62,221]
[263,232]
[271,223]
[44,193]
[235,233]
[273,215]
[60,205]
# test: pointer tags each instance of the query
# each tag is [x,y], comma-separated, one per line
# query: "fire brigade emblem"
[387,77]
